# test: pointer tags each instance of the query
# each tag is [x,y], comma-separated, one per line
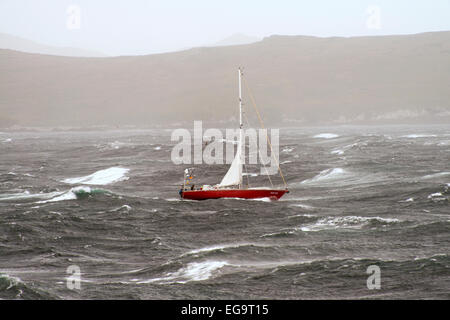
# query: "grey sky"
[141,27]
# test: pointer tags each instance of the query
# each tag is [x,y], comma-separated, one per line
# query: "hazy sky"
[145,26]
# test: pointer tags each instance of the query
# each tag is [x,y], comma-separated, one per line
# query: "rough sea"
[106,203]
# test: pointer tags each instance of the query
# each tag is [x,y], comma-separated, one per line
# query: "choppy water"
[108,202]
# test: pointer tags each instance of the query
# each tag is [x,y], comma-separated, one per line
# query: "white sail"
[234,174]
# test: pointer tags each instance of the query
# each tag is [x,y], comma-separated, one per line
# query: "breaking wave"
[326,136]
[436,175]
[194,271]
[14,288]
[101,177]
[349,222]
[72,194]
[414,136]
[328,174]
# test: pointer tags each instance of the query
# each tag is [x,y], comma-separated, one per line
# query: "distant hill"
[237,39]
[296,80]
[20,44]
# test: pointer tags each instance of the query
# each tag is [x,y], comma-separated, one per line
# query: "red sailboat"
[232,185]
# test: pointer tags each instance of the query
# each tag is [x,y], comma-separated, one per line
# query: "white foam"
[157,148]
[102,177]
[437,194]
[194,271]
[349,222]
[27,195]
[266,199]
[327,174]
[338,152]
[216,247]
[344,148]
[125,207]
[436,175]
[7,140]
[303,206]
[288,149]
[13,281]
[326,136]
[414,136]
[437,197]
[68,195]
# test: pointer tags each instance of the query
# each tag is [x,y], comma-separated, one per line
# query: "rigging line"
[262,125]
[259,152]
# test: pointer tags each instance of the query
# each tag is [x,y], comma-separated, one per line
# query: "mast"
[233,177]
[241,125]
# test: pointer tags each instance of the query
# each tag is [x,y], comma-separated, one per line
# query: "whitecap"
[303,206]
[288,149]
[438,196]
[101,177]
[27,195]
[69,195]
[216,247]
[414,136]
[125,207]
[327,174]
[338,152]
[436,175]
[347,222]
[326,136]
[194,271]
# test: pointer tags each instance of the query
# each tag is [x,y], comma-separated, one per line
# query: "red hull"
[233,193]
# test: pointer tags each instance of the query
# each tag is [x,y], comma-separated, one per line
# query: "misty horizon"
[140,27]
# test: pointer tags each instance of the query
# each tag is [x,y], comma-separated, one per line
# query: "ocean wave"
[347,222]
[279,234]
[303,206]
[326,136]
[101,177]
[437,196]
[436,175]
[75,193]
[72,194]
[14,288]
[339,152]
[415,136]
[288,149]
[194,271]
[327,174]
[343,149]
[224,247]
[26,195]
